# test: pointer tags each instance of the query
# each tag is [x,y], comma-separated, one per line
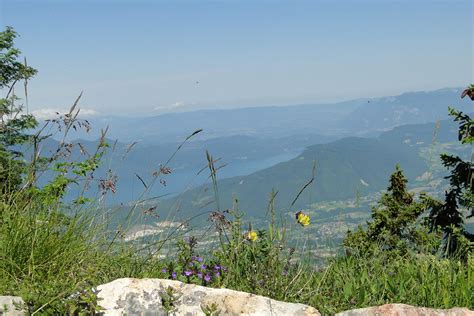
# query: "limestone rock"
[406,310]
[149,296]
[7,305]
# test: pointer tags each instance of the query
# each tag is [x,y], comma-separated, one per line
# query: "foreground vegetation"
[53,253]
[54,262]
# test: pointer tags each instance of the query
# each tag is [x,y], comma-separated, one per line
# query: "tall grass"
[269,267]
[352,282]
[54,261]
[52,252]
[54,255]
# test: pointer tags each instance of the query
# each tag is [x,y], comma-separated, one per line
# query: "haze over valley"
[354,145]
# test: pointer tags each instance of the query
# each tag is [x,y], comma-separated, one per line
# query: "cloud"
[49,113]
[177,104]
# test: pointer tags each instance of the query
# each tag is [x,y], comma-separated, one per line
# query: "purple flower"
[188,273]
[196,258]
[207,278]
[217,267]
[190,240]
[173,275]
[199,275]
[191,264]
[217,274]
[203,267]
[164,270]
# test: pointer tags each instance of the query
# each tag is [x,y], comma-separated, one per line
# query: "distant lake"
[246,167]
[129,188]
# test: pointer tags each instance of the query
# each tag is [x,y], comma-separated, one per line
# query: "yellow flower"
[303,219]
[251,235]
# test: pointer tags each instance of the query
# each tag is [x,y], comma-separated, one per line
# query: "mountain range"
[275,148]
[359,117]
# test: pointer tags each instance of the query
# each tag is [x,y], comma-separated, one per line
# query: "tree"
[394,225]
[15,126]
[448,215]
[13,122]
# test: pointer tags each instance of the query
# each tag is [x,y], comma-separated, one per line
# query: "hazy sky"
[144,57]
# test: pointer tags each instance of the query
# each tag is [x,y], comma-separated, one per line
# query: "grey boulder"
[168,297]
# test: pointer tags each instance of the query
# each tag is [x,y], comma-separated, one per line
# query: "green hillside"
[344,168]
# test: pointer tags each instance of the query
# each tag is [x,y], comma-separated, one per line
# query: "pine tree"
[447,216]
[394,225]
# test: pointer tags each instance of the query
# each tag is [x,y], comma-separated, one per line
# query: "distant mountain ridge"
[407,108]
[266,155]
[356,117]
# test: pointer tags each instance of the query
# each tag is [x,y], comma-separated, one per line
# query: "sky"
[149,57]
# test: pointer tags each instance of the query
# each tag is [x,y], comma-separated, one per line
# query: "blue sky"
[146,57]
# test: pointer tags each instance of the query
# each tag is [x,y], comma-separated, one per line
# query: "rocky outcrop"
[157,297]
[167,297]
[11,305]
[406,310]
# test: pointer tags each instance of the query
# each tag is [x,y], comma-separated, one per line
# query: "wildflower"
[108,184]
[207,278]
[217,274]
[203,267]
[173,275]
[199,275]
[219,220]
[165,170]
[191,241]
[164,270]
[217,267]
[303,219]
[149,211]
[188,273]
[196,258]
[251,235]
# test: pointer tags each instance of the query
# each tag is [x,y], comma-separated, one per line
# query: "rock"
[8,305]
[406,310]
[150,296]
